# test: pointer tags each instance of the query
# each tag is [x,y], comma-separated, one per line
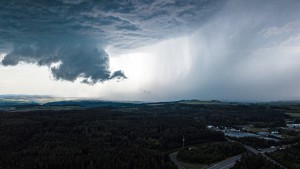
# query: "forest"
[130,137]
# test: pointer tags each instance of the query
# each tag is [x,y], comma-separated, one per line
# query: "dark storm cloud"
[74,33]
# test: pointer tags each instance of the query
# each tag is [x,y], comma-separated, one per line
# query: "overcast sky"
[151,50]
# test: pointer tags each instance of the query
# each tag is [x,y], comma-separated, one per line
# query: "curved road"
[175,161]
[228,163]
[225,164]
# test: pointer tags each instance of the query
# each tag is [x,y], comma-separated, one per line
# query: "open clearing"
[295,115]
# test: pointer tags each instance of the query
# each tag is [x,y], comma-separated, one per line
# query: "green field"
[294,115]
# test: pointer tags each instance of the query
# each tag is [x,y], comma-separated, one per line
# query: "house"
[192,148]
[210,127]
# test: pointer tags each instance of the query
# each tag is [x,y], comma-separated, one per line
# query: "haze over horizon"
[151,50]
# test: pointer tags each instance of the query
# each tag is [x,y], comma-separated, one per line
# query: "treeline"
[238,114]
[124,138]
[210,152]
[96,138]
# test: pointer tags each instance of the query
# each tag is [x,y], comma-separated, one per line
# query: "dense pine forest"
[136,137]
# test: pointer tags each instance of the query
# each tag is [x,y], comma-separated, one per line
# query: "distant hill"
[195,102]
[16,100]
[90,103]
[287,102]
[27,98]
[33,102]
[6,103]
[38,102]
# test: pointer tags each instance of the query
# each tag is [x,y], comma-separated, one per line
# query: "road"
[225,164]
[175,161]
[269,150]
[228,163]
[254,151]
[273,161]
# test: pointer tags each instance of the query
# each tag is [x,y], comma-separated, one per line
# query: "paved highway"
[175,161]
[225,164]
[254,151]
[228,163]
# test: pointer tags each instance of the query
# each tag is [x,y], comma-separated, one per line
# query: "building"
[293,125]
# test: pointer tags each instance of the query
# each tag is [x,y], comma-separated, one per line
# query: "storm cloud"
[204,49]
[72,34]
[249,50]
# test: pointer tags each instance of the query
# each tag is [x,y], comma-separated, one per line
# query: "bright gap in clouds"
[139,67]
[158,64]
[155,70]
